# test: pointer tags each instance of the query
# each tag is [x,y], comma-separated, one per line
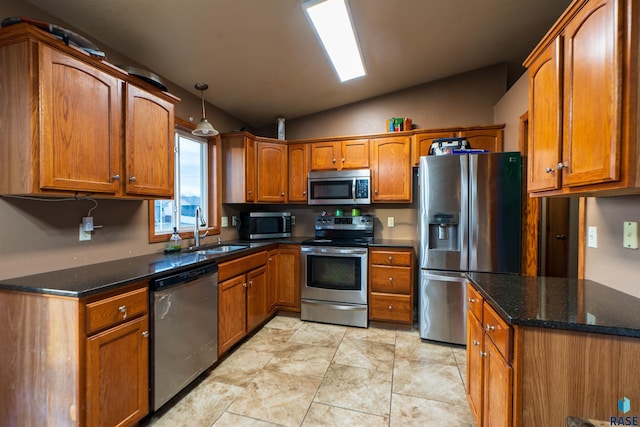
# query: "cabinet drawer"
[498,330]
[395,280]
[390,258]
[230,269]
[110,311]
[394,308]
[474,301]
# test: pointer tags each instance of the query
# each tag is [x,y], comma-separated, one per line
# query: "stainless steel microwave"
[265,225]
[346,187]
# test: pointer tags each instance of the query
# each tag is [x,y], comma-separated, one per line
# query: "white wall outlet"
[84,235]
[592,237]
[87,223]
[234,221]
[630,235]
[224,221]
[391,221]
[293,220]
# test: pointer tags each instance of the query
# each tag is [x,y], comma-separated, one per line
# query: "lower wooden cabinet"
[288,284]
[272,280]
[257,310]
[232,312]
[489,371]
[391,286]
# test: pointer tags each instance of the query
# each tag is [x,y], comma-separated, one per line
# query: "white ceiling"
[262,59]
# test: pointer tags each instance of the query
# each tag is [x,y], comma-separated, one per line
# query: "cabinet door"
[484,139]
[355,154]
[289,278]
[592,99]
[250,169]
[272,280]
[545,131]
[475,366]
[81,125]
[232,309]
[272,172]
[149,144]
[298,171]
[256,297]
[498,378]
[117,374]
[324,156]
[422,143]
[391,174]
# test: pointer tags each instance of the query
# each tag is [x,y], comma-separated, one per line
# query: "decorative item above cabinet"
[583,103]
[77,125]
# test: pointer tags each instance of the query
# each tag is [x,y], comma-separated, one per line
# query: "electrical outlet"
[293,220]
[84,235]
[391,221]
[592,237]
[87,223]
[225,221]
[234,221]
[630,235]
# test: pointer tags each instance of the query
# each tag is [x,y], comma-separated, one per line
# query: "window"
[196,179]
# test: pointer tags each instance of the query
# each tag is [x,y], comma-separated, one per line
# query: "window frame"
[214,168]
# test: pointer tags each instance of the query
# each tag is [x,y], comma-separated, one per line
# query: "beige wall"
[509,109]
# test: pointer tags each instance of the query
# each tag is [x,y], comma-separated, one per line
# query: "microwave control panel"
[362,189]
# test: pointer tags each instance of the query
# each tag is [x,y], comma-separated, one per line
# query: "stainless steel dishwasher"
[184,329]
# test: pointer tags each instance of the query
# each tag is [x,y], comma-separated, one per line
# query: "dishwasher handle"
[183,276]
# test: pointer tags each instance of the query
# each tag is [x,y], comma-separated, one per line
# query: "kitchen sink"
[221,249]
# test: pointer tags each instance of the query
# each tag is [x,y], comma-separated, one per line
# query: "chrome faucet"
[200,222]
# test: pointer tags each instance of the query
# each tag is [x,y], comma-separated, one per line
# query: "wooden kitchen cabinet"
[338,155]
[489,372]
[582,105]
[421,144]
[487,138]
[289,278]
[391,286]
[272,172]
[298,171]
[272,280]
[242,298]
[79,125]
[391,172]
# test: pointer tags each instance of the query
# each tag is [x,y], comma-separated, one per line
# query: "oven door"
[337,274]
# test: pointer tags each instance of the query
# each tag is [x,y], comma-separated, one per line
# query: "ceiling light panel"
[332,22]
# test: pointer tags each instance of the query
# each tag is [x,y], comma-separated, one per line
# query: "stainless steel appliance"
[334,270]
[265,225]
[345,187]
[469,221]
[184,329]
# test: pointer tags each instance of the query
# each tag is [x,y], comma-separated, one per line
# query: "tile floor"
[295,373]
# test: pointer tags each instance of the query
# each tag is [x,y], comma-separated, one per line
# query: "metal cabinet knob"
[133,179]
[250,282]
[562,166]
[482,353]
[391,279]
[123,309]
[471,300]
[304,193]
[390,258]
[282,194]
[334,160]
[475,342]
[244,284]
[375,192]
[249,192]
[560,236]
[549,170]
[342,160]
[490,327]
[116,176]
[270,259]
[145,334]
[390,307]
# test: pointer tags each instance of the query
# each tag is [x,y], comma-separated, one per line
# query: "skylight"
[332,22]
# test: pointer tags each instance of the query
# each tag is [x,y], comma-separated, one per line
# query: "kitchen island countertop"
[560,303]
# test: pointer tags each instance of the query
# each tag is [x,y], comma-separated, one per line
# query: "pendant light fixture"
[204,128]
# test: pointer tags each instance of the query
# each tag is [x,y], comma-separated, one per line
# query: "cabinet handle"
[390,258]
[304,193]
[390,279]
[471,300]
[250,282]
[123,309]
[270,259]
[562,166]
[482,354]
[342,160]
[375,192]
[390,307]
[475,342]
[549,170]
[145,334]
[334,160]
[282,194]
[244,284]
[116,176]
[490,327]
[133,179]
[249,192]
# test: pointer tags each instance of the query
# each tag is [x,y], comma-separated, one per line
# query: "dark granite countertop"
[560,303]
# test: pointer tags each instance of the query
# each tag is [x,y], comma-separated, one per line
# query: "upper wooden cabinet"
[73,124]
[272,172]
[582,102]
[483,137]
[338,155]
[298,171]
[391,172]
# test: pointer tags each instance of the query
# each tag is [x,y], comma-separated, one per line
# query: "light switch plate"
[84,235]
[224,221]
[391,221]
[592,237]
[630,235]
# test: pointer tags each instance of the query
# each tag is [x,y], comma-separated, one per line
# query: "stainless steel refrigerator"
[469,222]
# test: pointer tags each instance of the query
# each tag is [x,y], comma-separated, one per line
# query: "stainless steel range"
[334,288]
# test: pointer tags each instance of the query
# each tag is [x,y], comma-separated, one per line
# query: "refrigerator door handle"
[443,278]
[465,183]
[473,209]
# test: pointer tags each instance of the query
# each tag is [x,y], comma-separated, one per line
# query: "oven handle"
[332,250]
[336,306]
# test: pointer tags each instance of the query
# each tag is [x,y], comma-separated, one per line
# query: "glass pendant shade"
[204,128]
